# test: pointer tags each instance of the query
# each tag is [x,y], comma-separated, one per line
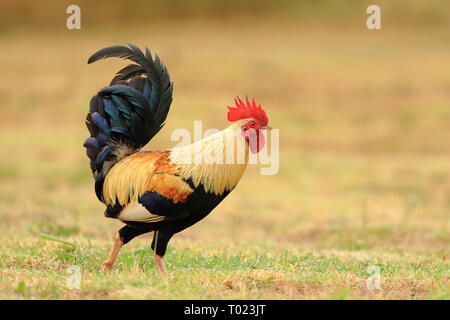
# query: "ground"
[363,180]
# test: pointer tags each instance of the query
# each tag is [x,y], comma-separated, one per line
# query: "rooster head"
[257,121]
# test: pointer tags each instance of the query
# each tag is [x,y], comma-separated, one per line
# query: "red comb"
[247,110]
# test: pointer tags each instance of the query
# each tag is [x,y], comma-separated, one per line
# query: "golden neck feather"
[217,161]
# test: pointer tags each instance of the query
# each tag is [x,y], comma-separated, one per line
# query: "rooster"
[161,191]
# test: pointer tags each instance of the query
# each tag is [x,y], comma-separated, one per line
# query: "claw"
[107,265]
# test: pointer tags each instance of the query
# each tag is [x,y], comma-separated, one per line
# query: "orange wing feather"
[142,172]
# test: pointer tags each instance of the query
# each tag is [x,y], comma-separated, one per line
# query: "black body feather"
[179,216]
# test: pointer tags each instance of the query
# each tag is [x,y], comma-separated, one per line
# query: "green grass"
[364,176]
[217,271]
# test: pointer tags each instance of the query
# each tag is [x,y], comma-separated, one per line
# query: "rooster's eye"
[252,124]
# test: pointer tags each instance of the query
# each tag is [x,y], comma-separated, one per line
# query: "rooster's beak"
[267,127]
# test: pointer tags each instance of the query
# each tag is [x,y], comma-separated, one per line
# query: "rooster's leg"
[159,246]
[123,237]
[118,243]
[160,263]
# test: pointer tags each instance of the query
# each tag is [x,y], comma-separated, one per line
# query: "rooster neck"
[216,162]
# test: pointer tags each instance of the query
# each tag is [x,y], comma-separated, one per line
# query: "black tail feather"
[128,113]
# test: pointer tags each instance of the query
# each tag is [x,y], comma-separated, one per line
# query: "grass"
[364,176]
[218,271]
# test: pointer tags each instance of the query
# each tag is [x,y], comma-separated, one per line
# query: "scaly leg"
[160,263]
[124,236]
[118,243]
[159,245]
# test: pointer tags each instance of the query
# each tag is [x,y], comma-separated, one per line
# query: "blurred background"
[363,115]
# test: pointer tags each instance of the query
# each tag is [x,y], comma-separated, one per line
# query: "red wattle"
[256,142]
